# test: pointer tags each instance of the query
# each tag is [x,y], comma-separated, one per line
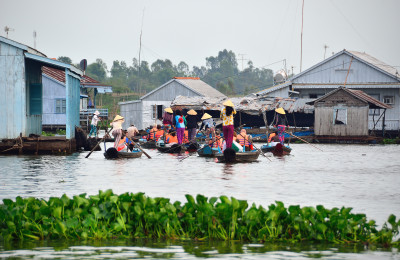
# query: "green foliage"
[61,132]
[107,215]
[391,141]
[44,133]
[65,59]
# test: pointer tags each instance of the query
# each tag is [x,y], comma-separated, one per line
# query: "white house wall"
[13,92]
[132,112]
[335,71]
[147,112]
[52,90]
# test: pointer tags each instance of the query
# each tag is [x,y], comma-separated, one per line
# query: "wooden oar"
[106,134]
[304,141]
[256,147]
[140,148]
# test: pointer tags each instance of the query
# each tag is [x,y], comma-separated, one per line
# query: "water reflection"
[153,249]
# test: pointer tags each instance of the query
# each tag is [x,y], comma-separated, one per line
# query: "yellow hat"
[228,103]
[280,111]
[206,116]
[168,110]
[118,117]
[192,112]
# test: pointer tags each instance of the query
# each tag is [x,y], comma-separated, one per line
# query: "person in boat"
[218,141]
[280,123]
[168,118]
[192,121]
[159,133]
[209,126]
[227,122]
[132,131]
[245,140]
[171,138]
[151,136]
[274,141]
[117,129]
[93,124]
[272,136]
[180,125]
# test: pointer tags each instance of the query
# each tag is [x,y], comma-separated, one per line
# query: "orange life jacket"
[152,134]
[243,140]
[218,142]
[159,133]
[186,137]
[121,145]
[171,139]
[270,137]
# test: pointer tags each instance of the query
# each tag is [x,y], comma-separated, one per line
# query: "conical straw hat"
[228,103]
[118,117]
[206,116]
[168,110]
[280,111]
[192,112]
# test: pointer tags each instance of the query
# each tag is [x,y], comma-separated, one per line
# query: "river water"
[364,177]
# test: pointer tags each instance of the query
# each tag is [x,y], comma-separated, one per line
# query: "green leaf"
[57,212]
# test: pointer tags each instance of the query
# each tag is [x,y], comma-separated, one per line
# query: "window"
[61,106]
[157,111]
[388,100]
[340,116]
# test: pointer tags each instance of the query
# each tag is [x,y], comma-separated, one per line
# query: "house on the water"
[355,70]
[149,108]
[54,98]
[21,87]
[344,112]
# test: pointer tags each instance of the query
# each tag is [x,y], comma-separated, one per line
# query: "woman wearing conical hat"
[117,129]
[209,126]
[168,118]
[93,124]
[280,123]
[192,121]
[227,122]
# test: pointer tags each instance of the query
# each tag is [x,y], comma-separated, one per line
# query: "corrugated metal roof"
[273,88]
[200,87]
[372,102]
[352,85]
[59,75]
[247,105]
[375,62]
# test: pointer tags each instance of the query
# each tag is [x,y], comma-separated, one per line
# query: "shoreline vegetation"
[134,215]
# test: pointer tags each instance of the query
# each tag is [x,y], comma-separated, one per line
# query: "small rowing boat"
[277,150]
[112,153]
[207,151]
[148,145]
[248,156]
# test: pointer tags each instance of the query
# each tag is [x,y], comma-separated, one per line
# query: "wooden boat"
[174,148]
[249,156]
[112,153]
[148,145]
[277,150]
[207,151]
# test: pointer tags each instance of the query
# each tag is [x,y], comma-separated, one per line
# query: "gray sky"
[266,31]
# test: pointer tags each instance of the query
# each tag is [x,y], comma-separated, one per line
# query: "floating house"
[54,98]
[355,70]
[150,108]
[344,112]
[21,102]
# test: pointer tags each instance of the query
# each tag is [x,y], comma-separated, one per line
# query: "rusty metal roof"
[59,75]
[249,105]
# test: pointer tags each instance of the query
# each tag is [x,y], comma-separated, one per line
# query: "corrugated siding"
[169,92]
[33,75]
[13,92]
[52,90]
[357,122]
[132,112]
[73,98]
[335,71]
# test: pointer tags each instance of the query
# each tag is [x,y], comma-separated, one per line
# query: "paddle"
[304,141]
[140,148]
[256,147]
[104,137]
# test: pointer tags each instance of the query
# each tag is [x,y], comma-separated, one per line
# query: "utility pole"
[325,47]
[34,39]
[301,48]
[242,59]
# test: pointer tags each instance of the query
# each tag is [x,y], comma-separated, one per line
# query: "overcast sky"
[264,31]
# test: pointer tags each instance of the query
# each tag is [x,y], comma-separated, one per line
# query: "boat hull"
[250,156]
[277,150]
[112,153]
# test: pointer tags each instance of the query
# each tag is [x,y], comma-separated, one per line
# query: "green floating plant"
[134,215]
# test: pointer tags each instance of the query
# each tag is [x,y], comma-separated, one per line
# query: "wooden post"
[383,123]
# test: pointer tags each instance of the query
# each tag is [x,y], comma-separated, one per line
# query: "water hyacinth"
[134,215]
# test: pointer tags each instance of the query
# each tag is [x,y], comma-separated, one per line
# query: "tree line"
[220,72]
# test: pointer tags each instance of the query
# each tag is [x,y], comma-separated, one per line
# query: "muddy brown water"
[364,177]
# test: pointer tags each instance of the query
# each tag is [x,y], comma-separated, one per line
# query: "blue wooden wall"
[73,98]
